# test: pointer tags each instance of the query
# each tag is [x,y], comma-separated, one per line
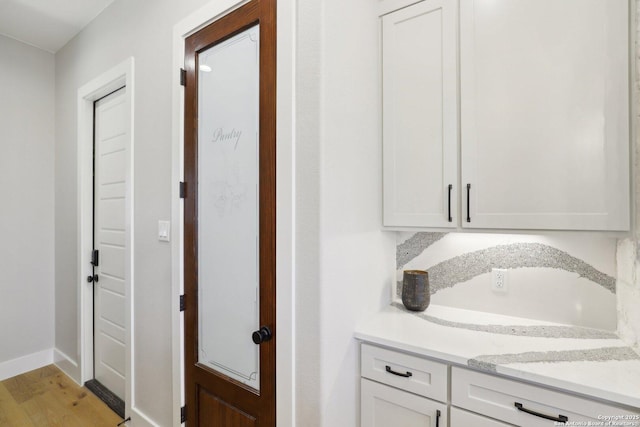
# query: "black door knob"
[264,334]
[93,278]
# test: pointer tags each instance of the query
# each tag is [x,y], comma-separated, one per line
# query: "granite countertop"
[587,361]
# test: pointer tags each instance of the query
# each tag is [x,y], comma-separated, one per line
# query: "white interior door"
[111,127]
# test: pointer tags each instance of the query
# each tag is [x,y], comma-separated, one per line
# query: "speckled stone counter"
[590,362]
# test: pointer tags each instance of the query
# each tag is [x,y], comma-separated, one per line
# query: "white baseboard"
[138,418]
[67,365]
[27,363]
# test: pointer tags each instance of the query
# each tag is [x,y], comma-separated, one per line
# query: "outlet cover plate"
[499,280]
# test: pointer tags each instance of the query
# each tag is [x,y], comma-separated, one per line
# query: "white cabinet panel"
[384,406]
[420,115]
[499,398]
[544,114]
[460,418]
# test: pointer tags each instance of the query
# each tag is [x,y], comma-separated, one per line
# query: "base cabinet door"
[460,418]
[384,406]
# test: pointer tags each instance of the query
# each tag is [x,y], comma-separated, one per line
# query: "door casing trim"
[118,76]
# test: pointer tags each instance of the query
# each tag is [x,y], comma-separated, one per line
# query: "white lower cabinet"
[460,418]
[407,390]
[384,406]
[526,405]
[402,390]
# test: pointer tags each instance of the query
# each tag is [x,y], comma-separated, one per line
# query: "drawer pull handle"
[449,203]
[468,202]
[559,418]
[391,371]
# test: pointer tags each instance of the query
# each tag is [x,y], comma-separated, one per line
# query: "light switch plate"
[164,231]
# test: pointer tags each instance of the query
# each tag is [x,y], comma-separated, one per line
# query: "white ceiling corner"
[47,24]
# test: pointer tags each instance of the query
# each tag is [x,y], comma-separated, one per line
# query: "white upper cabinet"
[543,91]
[420,123]
[544,114]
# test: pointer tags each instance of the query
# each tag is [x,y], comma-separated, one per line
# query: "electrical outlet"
[499,280]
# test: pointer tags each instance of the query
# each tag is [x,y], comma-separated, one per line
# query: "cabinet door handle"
[438,418]
[559,418]
[391,371]
[449,203]
[468,202]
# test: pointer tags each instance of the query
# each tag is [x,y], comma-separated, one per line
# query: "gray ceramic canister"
[415,290]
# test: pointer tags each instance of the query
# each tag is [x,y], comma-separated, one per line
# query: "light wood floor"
[47,397]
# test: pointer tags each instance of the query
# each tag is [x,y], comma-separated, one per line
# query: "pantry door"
[229,241]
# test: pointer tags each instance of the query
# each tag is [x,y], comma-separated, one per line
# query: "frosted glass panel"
[228,210]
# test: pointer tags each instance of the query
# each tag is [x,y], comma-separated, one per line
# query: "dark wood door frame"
[262,405]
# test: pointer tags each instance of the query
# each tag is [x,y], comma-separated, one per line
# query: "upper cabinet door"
[419,78]
[545,114]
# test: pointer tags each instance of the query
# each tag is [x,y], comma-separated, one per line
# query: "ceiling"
[47,24]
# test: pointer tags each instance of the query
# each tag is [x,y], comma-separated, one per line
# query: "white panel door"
[384,406]
[545,114]
[420,120]
[111,124]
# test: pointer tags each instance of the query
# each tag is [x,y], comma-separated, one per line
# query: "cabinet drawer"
[460,418]
[410,373]
[498,397]
[384,406]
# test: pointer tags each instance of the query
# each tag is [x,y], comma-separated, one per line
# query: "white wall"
[143,30]
[307,212]
[26,211]
[345,264]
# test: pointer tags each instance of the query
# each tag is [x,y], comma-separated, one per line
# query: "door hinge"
[183,190]
[181,302]
[95,257]
[183,414]
[183,77]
